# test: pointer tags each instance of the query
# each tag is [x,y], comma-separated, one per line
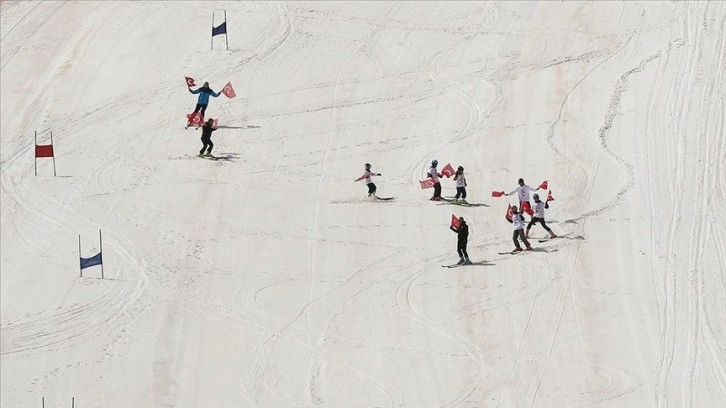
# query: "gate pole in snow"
[211,40]
[226,41]
[79,254]
[51,143]
[100,249]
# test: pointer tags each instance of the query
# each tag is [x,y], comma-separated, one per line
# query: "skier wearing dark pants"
[460,186]
[518,224]
[434,175]
[462,233]
[207,144]
[204,92]
[367,177]
[539,209]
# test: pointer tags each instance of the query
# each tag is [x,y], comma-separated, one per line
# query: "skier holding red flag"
[539,216]
[523,194]
[202,101]
[434,175]
[462,234]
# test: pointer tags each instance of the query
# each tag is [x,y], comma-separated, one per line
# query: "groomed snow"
[269,280]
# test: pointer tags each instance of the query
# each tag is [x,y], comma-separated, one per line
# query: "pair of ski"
[456,265]
[383,198]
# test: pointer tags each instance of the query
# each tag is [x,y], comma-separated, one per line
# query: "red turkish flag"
[543,186]
[510,213]
[195,119]
[428,183]
[549,196]
[43,150]
[455,221]
[190,81]
[448,171]
[228,91]
[497,193]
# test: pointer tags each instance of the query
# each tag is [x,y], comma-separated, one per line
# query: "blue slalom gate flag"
[92,261]
[221,29]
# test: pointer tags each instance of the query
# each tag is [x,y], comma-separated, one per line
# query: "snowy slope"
[269,280]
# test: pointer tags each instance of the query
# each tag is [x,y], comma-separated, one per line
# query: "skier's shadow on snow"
[227,157]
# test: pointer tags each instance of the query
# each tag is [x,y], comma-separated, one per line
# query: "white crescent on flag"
[228,91]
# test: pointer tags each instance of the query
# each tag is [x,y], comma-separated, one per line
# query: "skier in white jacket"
[523,194]
[367,177]
[518,224]
[539,216]
[460,186]
[434,175]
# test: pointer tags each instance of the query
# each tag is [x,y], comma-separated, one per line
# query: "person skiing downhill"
[434,174]
[203,100]
[518,224]
[460,186]
[207,144]
[523,193]
[367,177]
[462,234]
[539,211]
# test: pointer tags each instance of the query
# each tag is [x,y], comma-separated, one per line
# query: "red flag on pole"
[448,171]
[497,193]
[228,91]
[549,196]
[44,151]
[428,183]
[455,221]
[190,81]
[510,213]
[543,186]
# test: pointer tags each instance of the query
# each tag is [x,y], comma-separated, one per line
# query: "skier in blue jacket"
[204,92]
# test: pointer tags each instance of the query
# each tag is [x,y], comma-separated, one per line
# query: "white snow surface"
[269,279]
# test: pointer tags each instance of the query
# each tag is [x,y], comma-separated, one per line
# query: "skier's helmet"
[514,208]
[434,163]
[460,168]
[206,84]
[536,197]
[520,181]
[368,165]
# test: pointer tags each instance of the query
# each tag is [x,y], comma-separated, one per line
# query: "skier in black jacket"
[207,130]
[462,233]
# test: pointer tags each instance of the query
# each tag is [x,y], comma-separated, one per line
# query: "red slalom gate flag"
[549,196]
[455,221]
[190,81]
[543,186]
[228,91]
[448,171]
[497,193]
[43,150]
[510,213]
[428,183]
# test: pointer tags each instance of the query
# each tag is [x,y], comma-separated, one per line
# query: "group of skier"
[537,215]
[462,229]
[204,93]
